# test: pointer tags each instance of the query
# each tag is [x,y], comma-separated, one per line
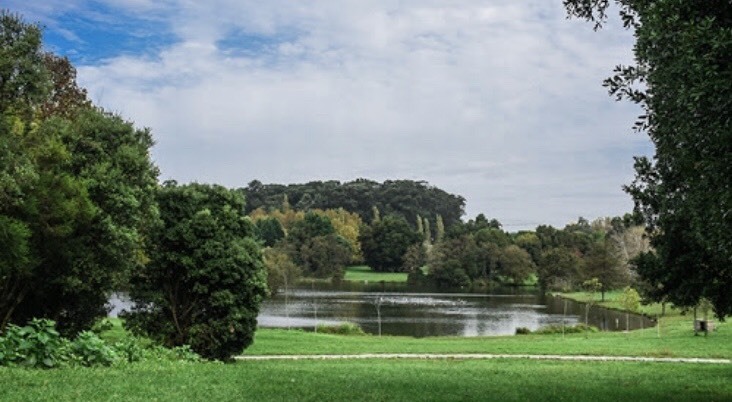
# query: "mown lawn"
[375,380]
[363,273]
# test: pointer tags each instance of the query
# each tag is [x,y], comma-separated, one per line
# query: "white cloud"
[499,101]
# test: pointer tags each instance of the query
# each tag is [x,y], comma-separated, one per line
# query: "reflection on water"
[424,312]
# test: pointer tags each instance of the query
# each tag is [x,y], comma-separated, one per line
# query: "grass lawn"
[677,340]
[363,273]
[374,380]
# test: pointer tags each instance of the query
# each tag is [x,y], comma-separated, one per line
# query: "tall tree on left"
[76,189]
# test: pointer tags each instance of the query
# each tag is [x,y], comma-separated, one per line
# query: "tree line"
[406,198]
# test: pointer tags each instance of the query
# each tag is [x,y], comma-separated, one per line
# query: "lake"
[421,312]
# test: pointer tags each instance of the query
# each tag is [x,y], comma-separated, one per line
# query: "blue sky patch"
[99,34]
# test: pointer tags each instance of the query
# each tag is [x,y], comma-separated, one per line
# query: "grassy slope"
[363,273]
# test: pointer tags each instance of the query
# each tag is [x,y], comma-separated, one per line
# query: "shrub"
[570,329]
[37,344]
[347,328]
[89,350]
[522,331]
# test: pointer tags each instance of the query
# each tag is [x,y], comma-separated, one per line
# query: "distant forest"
[406,198]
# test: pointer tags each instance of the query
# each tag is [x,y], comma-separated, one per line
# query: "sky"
[499,101]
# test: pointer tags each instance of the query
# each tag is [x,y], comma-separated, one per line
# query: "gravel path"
[480,356]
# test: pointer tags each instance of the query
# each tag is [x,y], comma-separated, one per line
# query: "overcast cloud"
[498,101]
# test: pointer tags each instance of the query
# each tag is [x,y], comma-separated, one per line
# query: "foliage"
[347,328]
[403,198]
[24,80]
[515,264]
[385,242]
[76,189]
[269,230]
[206,276]
[522,331]
[567,329]
[325,256]
[89,350]
[630,299]
[681,81]
[347,225]
[415,258]
[37,344]
[558,268]
[602,263]
[281,270]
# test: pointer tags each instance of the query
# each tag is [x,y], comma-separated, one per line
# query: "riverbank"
[676,340]
[363,273]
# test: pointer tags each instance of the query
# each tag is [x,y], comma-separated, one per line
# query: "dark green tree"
[454,262]
[76,190]
[206,277]
[515,264]
[681,80]
[326,256]
[558,268]
[269,231]
[385,242]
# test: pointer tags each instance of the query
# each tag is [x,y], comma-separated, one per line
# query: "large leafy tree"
[681,79]
[206,277]
[385,242]
[76,189]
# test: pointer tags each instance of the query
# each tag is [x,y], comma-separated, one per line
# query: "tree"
[269,231]
[558,269]
[385,242]
[346,225]
[65,97]
[76,189]
[205,279]
[630,300]
[515,264]
[24,80]
[681,81]
[591,286]
[281,270]
[325,256]
[439,229]
[602,263]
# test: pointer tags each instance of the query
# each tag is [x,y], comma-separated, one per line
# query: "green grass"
[434,380]
[677,340]
[374,380]
[363,273]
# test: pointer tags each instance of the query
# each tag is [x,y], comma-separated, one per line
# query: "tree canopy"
[76,189]
[206,275]
[405,198]
[681,80]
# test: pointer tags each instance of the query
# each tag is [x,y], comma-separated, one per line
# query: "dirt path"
[477,356]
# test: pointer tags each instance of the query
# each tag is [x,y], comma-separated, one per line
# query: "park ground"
[414,379]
